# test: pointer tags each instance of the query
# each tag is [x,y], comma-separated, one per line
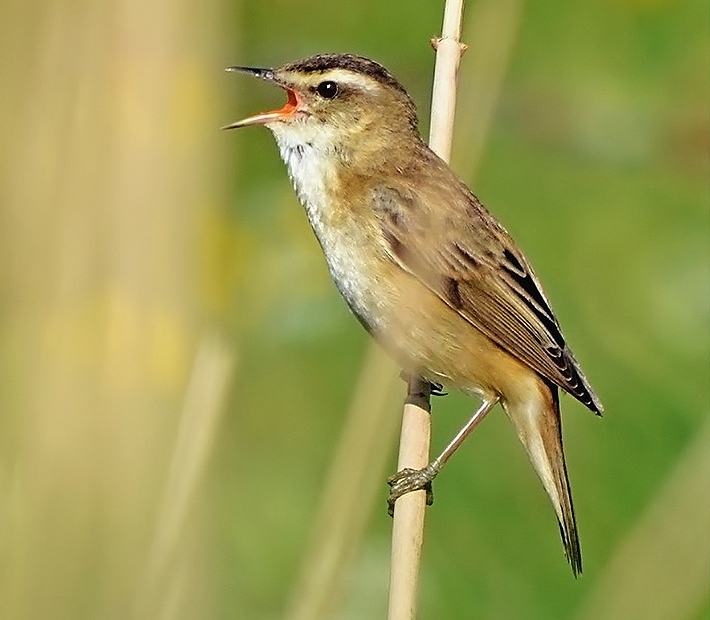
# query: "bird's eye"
[327,89]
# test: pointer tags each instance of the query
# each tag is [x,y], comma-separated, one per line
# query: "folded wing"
[471,262]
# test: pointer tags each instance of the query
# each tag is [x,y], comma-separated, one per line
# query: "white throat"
[312,163]
[308,155]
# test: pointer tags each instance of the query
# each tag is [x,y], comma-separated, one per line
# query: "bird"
[422,264]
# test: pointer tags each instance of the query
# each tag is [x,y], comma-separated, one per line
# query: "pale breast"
[345,243]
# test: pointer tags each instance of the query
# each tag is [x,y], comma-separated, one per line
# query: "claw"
[437,389]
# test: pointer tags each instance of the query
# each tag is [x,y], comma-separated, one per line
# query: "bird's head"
[337,101]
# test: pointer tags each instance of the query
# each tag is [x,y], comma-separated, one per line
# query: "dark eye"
[327,89]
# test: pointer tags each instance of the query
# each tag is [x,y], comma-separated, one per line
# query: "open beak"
[266,117]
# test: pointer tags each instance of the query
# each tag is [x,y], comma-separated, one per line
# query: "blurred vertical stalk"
[108,155]
[490,31]
[673,529]
[349,494]
[204,401]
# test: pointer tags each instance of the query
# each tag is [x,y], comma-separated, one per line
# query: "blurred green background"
[176,369]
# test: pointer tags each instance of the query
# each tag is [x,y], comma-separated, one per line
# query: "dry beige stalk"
[408,525]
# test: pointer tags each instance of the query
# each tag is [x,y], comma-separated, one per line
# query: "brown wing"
[471,262]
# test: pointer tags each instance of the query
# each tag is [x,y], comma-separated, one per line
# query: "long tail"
[538,424]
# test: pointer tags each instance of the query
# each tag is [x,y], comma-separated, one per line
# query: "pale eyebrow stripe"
[344,76]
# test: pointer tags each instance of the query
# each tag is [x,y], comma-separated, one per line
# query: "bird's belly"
[415,326]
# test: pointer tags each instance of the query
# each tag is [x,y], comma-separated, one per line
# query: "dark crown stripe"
[350,62]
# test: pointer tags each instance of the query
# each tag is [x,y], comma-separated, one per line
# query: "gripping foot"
[408,480]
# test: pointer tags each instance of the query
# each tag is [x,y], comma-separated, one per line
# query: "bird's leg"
[408,480]
[416,390]
[419,391]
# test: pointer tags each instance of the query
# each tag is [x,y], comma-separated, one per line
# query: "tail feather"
[538,424]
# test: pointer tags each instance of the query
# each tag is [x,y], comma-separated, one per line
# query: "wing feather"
[476,268]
